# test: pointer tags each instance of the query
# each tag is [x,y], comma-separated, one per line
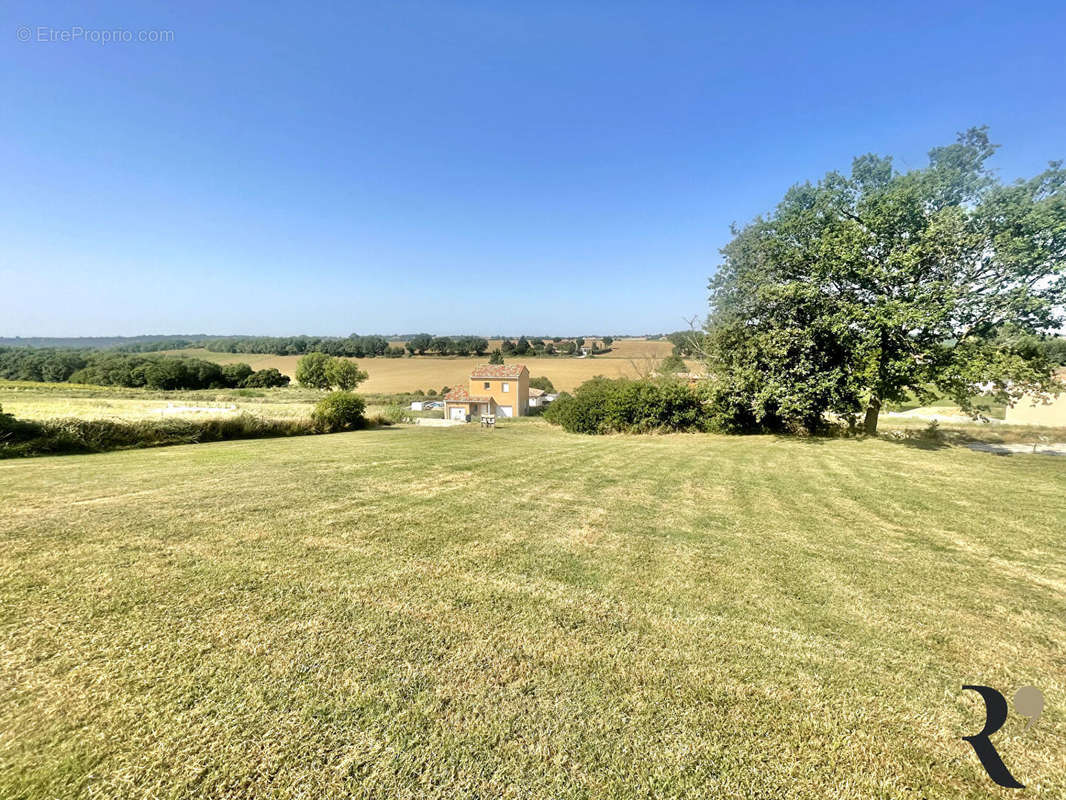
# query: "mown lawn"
[527,614]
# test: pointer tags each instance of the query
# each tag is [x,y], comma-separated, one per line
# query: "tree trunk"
[872,410]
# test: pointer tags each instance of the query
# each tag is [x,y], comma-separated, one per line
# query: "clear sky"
[461,167]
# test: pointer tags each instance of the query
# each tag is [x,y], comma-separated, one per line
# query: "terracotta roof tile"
[498,371]
[460,395]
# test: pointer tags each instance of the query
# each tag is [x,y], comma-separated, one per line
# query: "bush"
[339,411]
[672,364]
[236,374]
[542,382]
[266,379]
[627,406]
[14,431]
[729,409]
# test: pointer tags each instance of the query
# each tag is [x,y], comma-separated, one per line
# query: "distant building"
[499,389]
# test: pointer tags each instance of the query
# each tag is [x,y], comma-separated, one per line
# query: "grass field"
[457,613]
[629,358]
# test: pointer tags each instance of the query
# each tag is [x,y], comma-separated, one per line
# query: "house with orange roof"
[498,389]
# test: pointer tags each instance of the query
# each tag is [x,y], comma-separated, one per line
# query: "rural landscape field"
[629,358]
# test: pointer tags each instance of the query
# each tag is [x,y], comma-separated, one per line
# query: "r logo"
[1029,701]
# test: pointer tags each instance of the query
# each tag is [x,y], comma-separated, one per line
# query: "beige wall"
[1027,412]
[517,397]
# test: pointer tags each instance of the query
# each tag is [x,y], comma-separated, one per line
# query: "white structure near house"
[416,405]
[537,397]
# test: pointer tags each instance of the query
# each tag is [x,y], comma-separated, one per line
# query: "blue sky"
[462,167]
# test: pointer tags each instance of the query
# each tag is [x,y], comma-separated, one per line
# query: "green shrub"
[339,411]
[672,364]
[266,379]
[628,406]
[236,374]
[14,431]
[729,409]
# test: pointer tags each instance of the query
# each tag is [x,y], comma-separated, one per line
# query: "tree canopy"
[344,374]
[320,371]
[869,287]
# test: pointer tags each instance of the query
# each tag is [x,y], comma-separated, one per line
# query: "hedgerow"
[56,436]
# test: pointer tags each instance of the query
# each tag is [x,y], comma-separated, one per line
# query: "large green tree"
[865,288]
[344,374]
[311,371]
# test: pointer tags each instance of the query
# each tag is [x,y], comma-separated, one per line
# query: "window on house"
[507,387]
[488,385]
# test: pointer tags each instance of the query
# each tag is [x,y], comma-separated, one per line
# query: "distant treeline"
[356,346]
[108,368]
[132,343]
[420,344]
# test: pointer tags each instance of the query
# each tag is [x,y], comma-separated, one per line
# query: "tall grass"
[71,435]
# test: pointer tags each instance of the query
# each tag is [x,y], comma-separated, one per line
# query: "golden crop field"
[629,358]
